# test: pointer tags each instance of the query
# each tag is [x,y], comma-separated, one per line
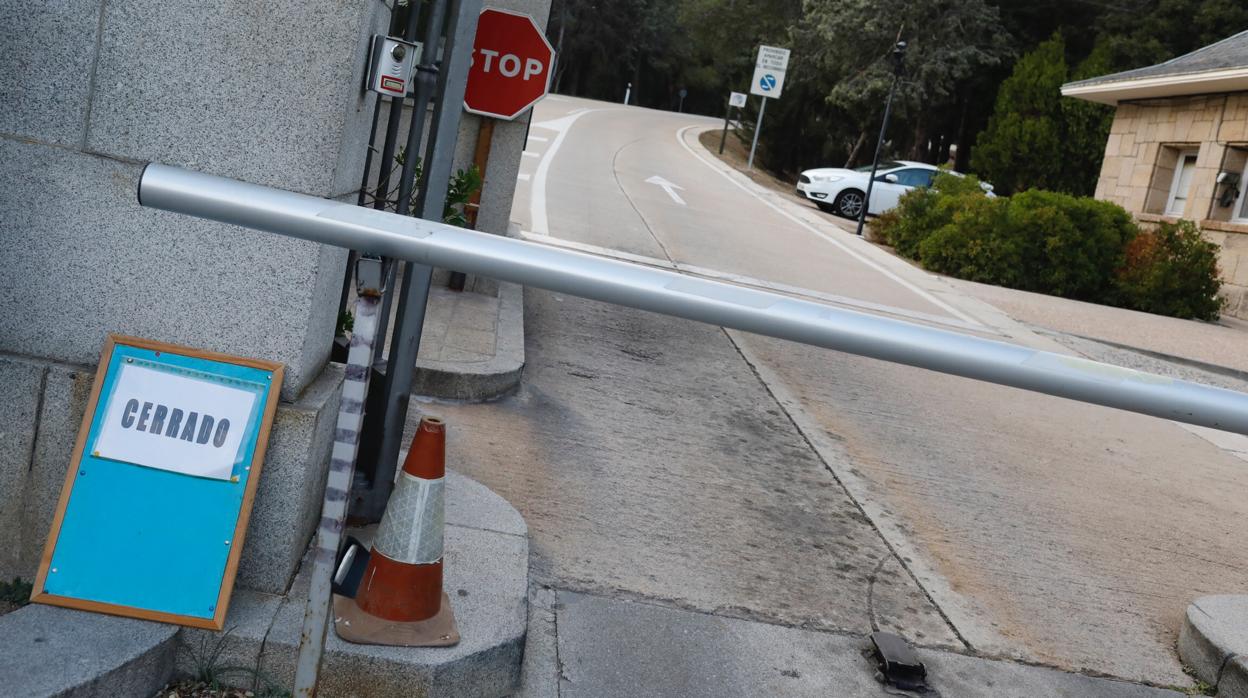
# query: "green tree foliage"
[961,58]
[1085,127]
[1037,139]
[1022,146]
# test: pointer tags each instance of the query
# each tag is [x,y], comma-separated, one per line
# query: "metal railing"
[622,283]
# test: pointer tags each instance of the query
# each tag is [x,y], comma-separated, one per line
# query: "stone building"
[270,93]
[1178,148]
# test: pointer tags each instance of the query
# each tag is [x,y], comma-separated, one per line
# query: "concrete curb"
[49,651]
[486,578]
[1172,358]
[1214,643]
[485,380]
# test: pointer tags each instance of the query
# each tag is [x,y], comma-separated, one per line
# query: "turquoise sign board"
[151,520]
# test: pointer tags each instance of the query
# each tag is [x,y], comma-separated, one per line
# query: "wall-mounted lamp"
[1229,181]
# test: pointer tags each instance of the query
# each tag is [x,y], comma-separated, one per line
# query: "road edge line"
[953,609]
[925,295]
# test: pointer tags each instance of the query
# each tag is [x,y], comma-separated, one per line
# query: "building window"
[1239,213]
[1182,183]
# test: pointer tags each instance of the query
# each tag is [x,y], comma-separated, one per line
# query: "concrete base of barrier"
[1214,643]
[46,651]
[486,579]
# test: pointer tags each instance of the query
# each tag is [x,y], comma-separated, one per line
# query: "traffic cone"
[400,600]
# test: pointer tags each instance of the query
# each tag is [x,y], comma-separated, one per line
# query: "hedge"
[1062,245]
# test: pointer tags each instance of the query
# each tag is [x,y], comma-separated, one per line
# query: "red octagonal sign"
[511,65]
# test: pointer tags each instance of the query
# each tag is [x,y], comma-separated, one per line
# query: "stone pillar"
[92,89]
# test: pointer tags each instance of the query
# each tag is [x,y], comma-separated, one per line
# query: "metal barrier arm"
[621,283]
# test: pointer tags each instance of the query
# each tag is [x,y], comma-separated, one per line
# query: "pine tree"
[1022,147]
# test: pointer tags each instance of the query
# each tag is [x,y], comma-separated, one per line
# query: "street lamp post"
[899,53]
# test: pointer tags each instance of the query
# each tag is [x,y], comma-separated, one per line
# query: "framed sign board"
[151,519]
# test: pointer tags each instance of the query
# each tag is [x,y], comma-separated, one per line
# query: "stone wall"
[92,89]
[1140,159]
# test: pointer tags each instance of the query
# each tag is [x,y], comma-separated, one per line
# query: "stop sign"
[511,65]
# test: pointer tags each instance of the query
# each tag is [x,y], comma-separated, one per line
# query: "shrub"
[1036,241]
[1074,244]
[971,245]
[1063,245]
[921,211]
[1171,271]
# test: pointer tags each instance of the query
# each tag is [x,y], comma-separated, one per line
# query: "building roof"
[1219,67]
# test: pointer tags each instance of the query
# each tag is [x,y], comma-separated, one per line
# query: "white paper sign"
[186,425]
[736,99]
[772,58]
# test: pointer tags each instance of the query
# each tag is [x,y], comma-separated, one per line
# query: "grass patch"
[14,594]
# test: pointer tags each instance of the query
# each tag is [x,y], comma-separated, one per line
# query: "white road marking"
[667,187]
[763,284]
[531,154]
[680,137]
[537,193]
[538,138]
[522,177]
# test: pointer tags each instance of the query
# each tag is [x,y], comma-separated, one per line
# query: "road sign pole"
[439,158]
[724,136]
[480,160]
[757,127]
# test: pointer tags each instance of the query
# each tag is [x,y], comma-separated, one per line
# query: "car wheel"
[825,207]
[849,204]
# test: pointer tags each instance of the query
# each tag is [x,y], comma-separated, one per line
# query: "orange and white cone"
[400,599]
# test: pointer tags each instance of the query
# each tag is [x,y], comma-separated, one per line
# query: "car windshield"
[886,165]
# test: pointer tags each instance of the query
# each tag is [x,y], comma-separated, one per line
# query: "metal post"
[899,52]
[727,116]
[690,297]
[369,279]
[359,201]
[758,127]
[381,194]
[439,159]
[424,88]
[628,91]
[481,161]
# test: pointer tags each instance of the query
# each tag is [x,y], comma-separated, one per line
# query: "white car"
[841,191]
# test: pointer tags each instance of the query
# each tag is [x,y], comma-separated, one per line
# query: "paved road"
[725,473]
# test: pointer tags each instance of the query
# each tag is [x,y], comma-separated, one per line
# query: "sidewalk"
[472,345]
[1223,344]
[584,645]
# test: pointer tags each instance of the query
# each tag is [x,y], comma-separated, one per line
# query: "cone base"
[355,626]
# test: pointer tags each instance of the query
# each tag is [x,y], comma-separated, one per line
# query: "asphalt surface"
[677,464]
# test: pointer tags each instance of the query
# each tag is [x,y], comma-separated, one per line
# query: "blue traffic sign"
[767,82]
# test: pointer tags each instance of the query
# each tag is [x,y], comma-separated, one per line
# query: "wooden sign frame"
[129,541]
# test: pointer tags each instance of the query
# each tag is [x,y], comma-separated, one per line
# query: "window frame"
[1178,177]
[1241,202]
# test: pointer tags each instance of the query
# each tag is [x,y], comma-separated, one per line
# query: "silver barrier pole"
[621,283]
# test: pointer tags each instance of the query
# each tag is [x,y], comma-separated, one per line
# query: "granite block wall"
[1140,160]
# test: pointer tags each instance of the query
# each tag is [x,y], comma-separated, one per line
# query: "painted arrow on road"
[667,187]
